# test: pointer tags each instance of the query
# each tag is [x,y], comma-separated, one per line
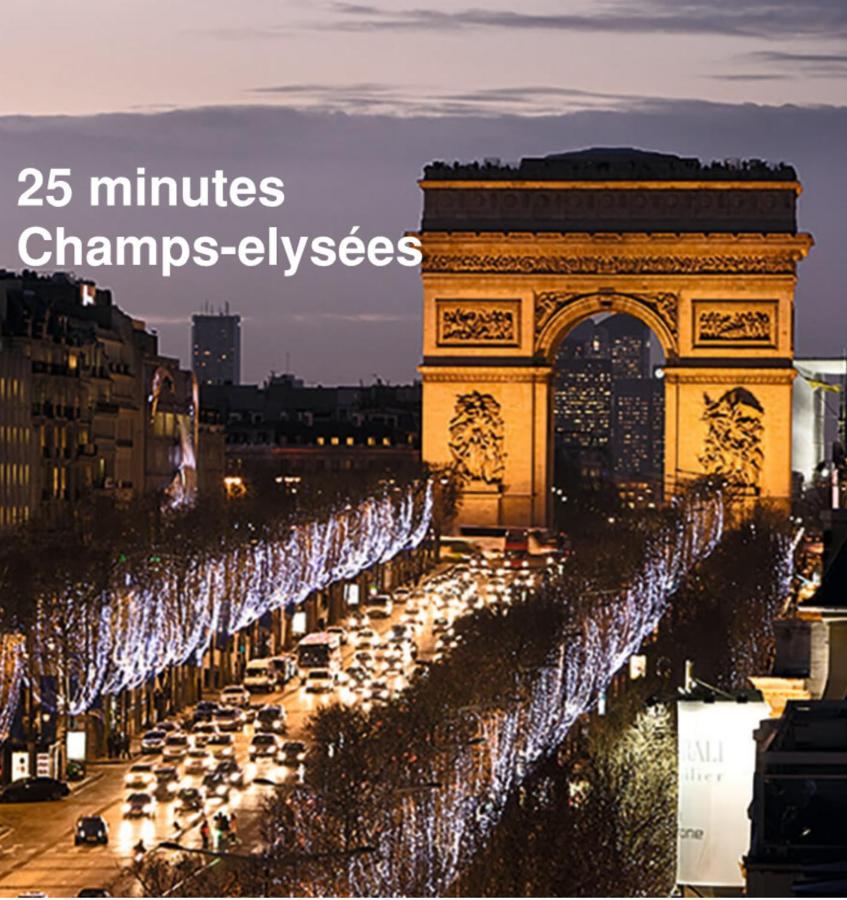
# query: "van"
[284,668]
[259,676]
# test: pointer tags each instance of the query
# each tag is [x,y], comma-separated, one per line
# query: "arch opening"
[607,415]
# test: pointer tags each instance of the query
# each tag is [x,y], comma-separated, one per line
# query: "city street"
[37,851]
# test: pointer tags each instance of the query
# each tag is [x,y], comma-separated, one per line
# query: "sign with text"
[717,757]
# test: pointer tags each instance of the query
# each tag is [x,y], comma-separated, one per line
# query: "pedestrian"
[205,834]
[125,745]
[110,745]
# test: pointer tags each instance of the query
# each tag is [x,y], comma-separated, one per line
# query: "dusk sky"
[346,102]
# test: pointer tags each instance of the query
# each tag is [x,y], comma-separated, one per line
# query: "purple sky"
[347,101]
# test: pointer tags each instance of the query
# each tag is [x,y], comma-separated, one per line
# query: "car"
[91,830]
[205,710]
[235,695]
[93,892]
[216,787]
[201,732]
[340,631]
[198,761]
[33,790]
[176,746]
[138,803]
[440,624]
[189,799]
[167,781]
[271,718]
[394,667]
[353,675]
[365,658]
[221,746]
[229,719]
[230,769]
[367,638]
[140,776]
[153,741]
[320,681]
[263,745]
[378,690]
[292,753]
[167,726]
[402,595]
[379,606]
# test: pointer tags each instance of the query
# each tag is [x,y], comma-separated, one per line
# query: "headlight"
[148,807]
[221,789]
[172,786]
[127,807]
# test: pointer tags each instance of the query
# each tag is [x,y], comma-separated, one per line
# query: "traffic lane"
[64,869]
[38,852]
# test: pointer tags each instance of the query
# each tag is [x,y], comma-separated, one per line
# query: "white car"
[221,746]
[140,776]
[320,681]
[235,695]
[198,761]
[176,746]
[264,746]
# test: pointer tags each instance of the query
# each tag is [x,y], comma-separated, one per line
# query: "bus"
[320,650]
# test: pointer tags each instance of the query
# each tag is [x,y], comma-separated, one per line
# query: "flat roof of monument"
[625,164]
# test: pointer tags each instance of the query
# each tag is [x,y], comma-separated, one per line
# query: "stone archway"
[514,258]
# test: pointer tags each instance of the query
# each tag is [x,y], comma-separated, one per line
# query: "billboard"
[717,759]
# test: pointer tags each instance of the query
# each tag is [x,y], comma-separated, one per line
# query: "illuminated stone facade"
[515,258]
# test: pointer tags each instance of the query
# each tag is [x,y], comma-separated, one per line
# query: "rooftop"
[611,164]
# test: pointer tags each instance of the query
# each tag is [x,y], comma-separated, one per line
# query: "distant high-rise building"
[216,347]
[606,400]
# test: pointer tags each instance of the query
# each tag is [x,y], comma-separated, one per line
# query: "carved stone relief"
[664,304]
[478,322]
[730,322]
[477,437]
[733,444]
[671,264]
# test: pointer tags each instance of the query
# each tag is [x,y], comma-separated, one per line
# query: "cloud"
[355,318]
[370,98]
[820,65]
[757,18]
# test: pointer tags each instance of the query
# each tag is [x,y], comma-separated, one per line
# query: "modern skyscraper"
[216,347]
[607,407]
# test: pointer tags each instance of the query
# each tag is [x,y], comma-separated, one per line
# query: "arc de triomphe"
[516,257]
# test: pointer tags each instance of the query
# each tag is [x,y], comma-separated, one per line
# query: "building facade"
[216,347]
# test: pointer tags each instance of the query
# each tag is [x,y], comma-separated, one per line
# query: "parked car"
[271,718]
[140,776]
[34,789]
[91,830]
[263,745]
[176,746]
[153,741]
[320,681]
[235,695]
[93,892]
[229,719]
[402,595]
[139,803]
